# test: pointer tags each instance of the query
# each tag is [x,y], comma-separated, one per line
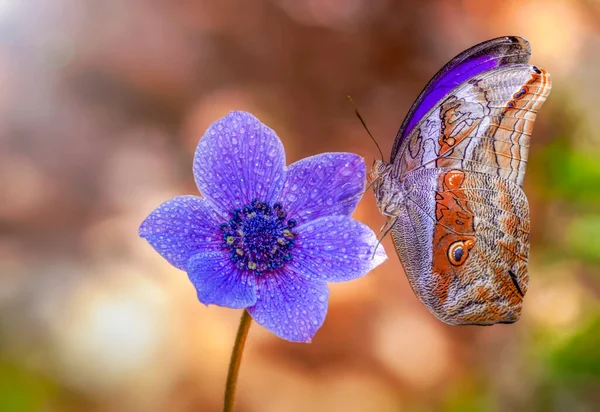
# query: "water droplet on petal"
[346,171]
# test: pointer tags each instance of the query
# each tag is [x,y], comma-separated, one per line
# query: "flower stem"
[236,360]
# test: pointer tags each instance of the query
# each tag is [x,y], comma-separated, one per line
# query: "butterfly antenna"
[365,126]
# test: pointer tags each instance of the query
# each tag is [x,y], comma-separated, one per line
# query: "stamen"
[258,237]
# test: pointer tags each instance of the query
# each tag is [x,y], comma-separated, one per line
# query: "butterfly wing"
[453,190]
[483,125]
[463,239]
[478,59]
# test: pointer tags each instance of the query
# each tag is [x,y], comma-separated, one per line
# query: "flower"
[264,236]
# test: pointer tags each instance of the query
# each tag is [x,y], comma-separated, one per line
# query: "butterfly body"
[452,189]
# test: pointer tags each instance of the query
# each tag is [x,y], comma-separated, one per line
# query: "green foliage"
[22,390]
[577,360]
[469,396]
[569,174]
[583,238]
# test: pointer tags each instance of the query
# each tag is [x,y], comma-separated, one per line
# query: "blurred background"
[101,106]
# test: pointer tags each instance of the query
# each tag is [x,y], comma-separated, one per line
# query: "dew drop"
[346,171]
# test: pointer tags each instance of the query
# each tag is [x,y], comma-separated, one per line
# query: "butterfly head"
[388,189]
[378,169]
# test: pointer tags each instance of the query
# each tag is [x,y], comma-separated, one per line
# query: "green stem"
[236,360]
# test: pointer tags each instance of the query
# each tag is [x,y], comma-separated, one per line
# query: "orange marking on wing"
[457,124]
[498,283]
[454,224]
[517,122]
[441,287]
[521,93]
[454,179]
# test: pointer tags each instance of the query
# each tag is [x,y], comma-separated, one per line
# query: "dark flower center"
[259,237]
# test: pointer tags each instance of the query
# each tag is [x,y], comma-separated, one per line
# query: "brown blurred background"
[101,106]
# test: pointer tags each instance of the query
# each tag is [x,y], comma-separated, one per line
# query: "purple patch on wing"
[448,82]
[470,63]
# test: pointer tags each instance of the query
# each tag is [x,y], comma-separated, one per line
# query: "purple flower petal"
[289,305]
[335,249]
[219,282]
[237,160]
[323,185]
[182,227]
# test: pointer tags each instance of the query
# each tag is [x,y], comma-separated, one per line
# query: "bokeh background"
[101,106]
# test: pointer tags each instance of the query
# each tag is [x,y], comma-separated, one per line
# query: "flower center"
[259,237]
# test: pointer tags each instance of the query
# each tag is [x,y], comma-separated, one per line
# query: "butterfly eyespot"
[520,93]
[458,252]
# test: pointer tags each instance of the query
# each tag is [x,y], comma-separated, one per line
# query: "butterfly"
[451,191]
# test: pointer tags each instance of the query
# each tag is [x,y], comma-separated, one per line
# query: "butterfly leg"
[388,225]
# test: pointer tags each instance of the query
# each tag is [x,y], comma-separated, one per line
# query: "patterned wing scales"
[471,62]
[484,125]
[463,238]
